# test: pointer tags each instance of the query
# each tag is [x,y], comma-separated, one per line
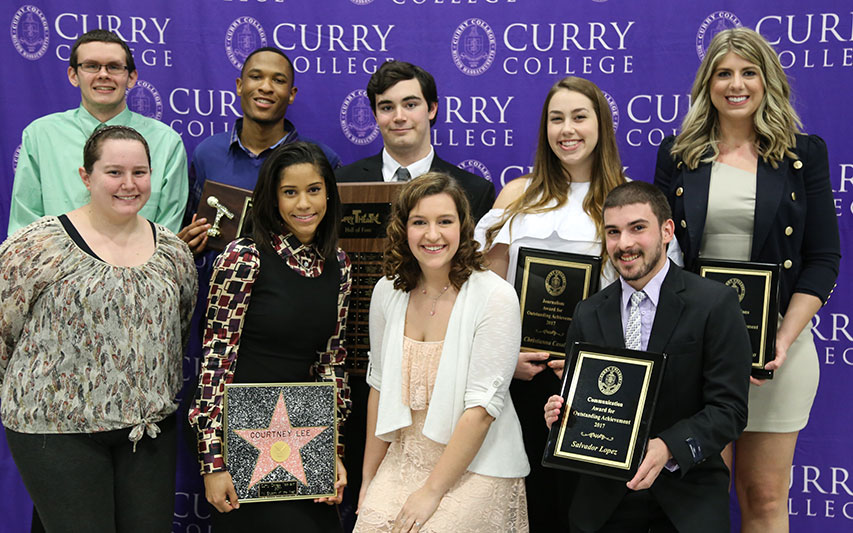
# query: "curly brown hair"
[399,264]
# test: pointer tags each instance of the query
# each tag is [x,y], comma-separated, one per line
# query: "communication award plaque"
[280,440]
[549,285]
[227,209]
[610,396]
[757,287]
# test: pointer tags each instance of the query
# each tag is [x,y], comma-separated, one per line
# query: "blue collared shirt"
[224,159]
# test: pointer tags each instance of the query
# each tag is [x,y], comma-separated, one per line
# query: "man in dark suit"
[404,100]
[682,483]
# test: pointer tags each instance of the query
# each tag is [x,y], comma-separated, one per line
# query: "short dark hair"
[92,148]
[102,36]
[399,263]
[266,219]
[275,51]
[393,72]
[639,192]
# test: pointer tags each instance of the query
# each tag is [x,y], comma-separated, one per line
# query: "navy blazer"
[480,191]
[795,224]
[702,404]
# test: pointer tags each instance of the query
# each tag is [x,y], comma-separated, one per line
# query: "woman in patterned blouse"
[279,301]
[95,307]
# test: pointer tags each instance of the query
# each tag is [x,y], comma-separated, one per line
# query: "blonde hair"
[550,180]
[776,123]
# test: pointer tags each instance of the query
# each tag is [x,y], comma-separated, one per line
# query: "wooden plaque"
[366,211]
[233,201]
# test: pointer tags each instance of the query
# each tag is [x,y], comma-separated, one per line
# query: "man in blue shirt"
[266,88]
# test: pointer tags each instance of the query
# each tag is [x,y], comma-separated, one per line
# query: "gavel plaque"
[227,209]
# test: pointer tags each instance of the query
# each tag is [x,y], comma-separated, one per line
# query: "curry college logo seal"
[475,167]
[145,100]
[361,2]
[610,380]
[614,109]
[555,282]
[711,26]
[473,47]
[30,32]
[244,35]
[356,118]
[738,286]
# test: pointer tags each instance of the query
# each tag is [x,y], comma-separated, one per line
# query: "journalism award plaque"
[226,209]
[280,440]
[757,287]
[549,285]
[610,396]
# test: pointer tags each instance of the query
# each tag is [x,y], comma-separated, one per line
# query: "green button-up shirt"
[47,181]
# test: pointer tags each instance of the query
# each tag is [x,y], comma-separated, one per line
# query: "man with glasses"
[46,178]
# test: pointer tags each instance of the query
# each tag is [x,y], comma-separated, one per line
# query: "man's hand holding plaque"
[225,210]
[610,396]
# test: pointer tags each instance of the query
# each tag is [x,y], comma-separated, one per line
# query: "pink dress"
[476,503]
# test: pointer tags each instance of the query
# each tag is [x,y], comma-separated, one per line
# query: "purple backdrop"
[494,61]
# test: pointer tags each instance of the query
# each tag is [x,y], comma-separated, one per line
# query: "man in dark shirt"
[682,483]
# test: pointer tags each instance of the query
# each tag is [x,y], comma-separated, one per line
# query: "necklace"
[435,299]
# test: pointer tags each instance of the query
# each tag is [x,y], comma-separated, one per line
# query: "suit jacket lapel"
[768,193]
[373,168]
[609,315]
[696,185]
[669,310]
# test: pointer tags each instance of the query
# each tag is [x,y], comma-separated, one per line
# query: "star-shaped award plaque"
[279,444]
[268,456]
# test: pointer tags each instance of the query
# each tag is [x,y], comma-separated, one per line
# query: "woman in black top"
[278,300]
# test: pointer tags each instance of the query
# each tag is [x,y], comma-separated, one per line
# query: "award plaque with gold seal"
[226,209]
[757,287]
[549,285]
[280,440]
[610,396]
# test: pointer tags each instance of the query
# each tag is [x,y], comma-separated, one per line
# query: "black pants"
[638,512]
[95,482]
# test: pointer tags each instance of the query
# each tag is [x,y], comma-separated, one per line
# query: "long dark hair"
[266,219]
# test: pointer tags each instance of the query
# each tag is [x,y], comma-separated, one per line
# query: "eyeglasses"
[94,68]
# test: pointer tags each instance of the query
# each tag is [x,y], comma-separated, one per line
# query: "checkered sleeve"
[234,273]
[330,363]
